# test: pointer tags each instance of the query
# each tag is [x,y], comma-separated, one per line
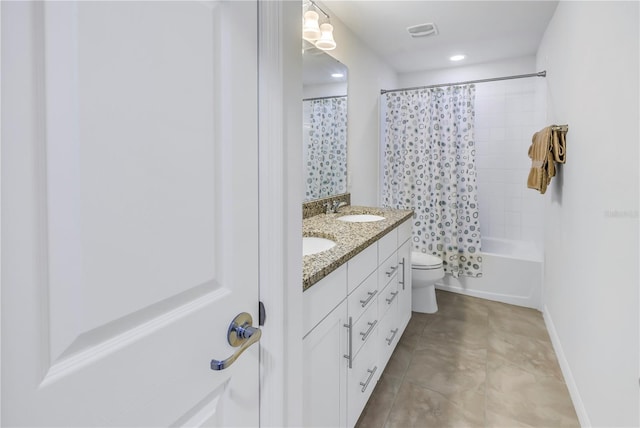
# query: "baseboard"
[566,370]
[496,297]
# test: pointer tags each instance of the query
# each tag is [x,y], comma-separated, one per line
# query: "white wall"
[462,73]
[367,75]
[508,112]
[590,51]
[327,90]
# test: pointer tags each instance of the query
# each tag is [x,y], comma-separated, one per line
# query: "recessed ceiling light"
[457,58]
[336,75]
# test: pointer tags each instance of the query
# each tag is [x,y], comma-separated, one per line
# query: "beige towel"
[559,146]
[548,145]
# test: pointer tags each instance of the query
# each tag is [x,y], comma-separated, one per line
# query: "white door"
[129,212]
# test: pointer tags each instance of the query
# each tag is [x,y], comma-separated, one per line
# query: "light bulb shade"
[326,42]
[310,28]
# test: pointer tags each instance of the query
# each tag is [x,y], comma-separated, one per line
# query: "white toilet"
[425,271]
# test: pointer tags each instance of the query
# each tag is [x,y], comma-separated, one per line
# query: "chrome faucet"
[337,205]
[334,207]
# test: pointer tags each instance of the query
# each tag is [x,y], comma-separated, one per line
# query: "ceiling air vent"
[423,30]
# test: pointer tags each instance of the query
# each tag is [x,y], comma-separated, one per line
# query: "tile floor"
[474,363]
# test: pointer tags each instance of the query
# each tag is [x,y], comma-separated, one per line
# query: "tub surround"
[350,238]
[503,260]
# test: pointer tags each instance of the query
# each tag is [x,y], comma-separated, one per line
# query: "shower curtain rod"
[324,98]
[493,79]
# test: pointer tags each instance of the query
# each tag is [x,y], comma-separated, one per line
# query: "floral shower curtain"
[429,166]
[325,146]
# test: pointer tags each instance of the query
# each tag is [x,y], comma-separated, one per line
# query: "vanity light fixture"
[310,26]
[457,57]
[337,75]
[321,35]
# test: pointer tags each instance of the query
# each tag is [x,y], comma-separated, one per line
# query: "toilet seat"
[423,261]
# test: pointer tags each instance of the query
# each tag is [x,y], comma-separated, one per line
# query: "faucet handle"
[337,205]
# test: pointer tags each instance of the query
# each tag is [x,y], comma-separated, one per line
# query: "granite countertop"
[350,238]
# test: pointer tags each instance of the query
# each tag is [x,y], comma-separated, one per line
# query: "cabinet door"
[325,371]
[404,284]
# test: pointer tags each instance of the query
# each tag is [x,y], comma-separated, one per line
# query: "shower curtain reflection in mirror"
[325,146]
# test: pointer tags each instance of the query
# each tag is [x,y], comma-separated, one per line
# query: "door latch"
[262,314]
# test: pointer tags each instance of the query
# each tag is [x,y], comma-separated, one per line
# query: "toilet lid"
[424,260]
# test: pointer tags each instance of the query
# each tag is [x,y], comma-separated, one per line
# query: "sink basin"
[360,218]
[315,245]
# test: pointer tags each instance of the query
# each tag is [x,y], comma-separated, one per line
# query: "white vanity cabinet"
[324,347]
[353,319]
[404,281]
[364,371]
[394,302]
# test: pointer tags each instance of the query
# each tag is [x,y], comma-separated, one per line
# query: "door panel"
[145,221]
[137,170]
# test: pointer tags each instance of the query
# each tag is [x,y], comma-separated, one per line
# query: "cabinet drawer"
[387,271]
[361,266]
[364,328]
[361,380]
[322,297]
[388,298]
[404,232]
[387,245]
[364,296]
[388,333]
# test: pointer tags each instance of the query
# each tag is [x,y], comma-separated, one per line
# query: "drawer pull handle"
[392,269]
[393,296]
[389,340]
[350,355]
[403,270]
[371,294]
[366,383]
[366,334]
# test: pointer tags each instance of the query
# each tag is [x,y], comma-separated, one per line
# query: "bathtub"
[511,273]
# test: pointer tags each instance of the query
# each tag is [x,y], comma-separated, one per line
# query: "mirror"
[324,124]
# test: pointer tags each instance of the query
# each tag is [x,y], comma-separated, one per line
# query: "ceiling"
[482,30]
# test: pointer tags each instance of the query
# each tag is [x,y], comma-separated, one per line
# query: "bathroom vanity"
[356,304]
